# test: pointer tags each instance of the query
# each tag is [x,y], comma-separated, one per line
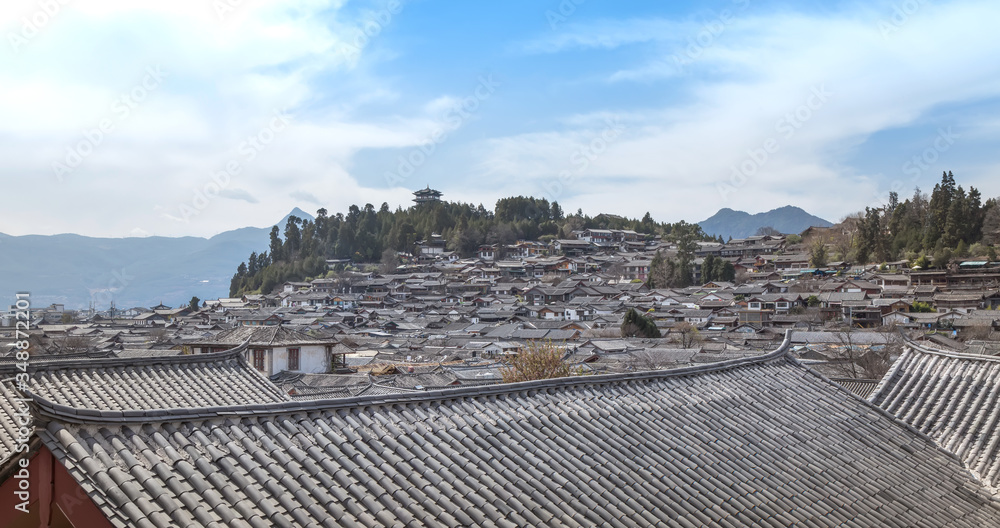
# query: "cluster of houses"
[793,396]
[454,322]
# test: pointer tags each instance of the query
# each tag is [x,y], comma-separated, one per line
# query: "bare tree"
[603,332]
[646,360]
[981,331]
[72,344]
[158,335]
[534,362]
[390,261]
[861,361]
[687,334]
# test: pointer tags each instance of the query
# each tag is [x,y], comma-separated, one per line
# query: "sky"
[192,117]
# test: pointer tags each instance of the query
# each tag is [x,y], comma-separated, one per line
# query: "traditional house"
[274,349]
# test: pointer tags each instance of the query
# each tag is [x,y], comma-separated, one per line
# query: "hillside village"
[372,399]
[441,319]
[777,393]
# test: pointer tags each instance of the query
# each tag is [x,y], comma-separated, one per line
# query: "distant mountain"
[739,224]
[76,270]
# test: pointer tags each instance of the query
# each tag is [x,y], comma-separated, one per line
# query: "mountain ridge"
[77,270]
[788,219]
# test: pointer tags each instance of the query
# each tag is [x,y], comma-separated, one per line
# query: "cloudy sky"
[192,117]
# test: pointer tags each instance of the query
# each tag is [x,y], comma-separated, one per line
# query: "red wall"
[55,499]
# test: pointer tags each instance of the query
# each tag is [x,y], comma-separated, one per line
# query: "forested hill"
[364,233]
[926,230]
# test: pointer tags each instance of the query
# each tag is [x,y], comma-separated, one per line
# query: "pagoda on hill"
[426,195]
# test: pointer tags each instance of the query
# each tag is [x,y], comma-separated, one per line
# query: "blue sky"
[192,117]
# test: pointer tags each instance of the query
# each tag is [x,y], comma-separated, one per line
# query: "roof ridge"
[912,347]
[60,364]
[63,413]
[947,353]
[870,402]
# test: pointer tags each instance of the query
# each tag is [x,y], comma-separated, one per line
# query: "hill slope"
[739,224]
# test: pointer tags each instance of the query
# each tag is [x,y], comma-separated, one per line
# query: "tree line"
[363,234]
[927,230]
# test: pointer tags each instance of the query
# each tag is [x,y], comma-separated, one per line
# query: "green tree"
[991,224]
[708,267]
[275,246]
[193,304]
[636,325]
[817,254]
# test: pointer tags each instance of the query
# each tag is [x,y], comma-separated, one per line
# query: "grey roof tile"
[954,398]
[758,441]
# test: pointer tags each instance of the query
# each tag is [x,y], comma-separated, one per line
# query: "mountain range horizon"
[79,271]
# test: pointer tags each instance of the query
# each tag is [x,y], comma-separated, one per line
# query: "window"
[293,359]
[258,359]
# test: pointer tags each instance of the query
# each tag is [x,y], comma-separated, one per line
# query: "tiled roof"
[953,398]
[119,384]
[762,442]
[862,387]
[263,336]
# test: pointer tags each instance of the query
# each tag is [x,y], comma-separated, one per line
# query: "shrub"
[534,362]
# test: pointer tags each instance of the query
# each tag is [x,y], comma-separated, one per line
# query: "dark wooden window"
[258,359]
[293,359]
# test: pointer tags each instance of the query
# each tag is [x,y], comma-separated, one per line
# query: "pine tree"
[636,325]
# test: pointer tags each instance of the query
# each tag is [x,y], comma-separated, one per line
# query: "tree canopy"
[946,223]
[364,234]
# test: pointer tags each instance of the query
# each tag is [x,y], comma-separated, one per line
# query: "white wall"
[312,359]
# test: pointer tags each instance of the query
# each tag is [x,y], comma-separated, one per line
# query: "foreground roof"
[760,441]
[953,398]
[118,384]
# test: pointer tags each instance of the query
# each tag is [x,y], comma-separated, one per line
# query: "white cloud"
[747,88]
[306,197]
[226,76]
[238,194]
